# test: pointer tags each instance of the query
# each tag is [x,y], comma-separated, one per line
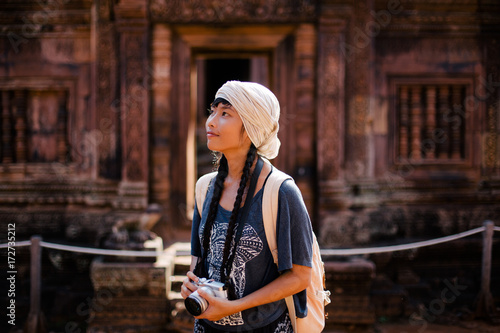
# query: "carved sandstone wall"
[390,111]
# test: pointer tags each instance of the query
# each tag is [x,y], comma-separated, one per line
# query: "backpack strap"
[270,208]
[270,217]
[202,188]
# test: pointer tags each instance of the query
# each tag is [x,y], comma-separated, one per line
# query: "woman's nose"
[211,120]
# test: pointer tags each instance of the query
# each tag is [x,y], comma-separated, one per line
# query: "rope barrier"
[37,244]
[104,252]
[89,250]
[16,244]
[392,248]
[340,252]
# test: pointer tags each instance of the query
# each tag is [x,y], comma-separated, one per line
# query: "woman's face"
[225,131]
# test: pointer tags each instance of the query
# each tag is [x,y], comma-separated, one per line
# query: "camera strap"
[244,215]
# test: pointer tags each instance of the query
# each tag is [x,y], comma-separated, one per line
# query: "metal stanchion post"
[485,307]
[36,319]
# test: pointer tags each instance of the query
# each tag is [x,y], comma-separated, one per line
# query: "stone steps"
[181,262]
[180,254]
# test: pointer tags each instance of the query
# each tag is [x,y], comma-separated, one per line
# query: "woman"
[243,127]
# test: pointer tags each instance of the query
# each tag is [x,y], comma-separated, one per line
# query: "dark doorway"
[212,73]
[217,71]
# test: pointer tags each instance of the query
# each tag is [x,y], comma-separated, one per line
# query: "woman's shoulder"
[204,180]
[207,177]
[288,186]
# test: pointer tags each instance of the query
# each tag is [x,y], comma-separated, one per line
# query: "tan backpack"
[317,296]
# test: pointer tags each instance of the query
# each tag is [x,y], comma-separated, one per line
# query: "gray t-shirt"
[253,266]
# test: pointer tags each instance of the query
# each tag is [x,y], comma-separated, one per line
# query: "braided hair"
[225,268]
[229,251]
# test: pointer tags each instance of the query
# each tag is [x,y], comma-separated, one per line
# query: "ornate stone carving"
[350,282]
[133,102]
[331,107]
[7,151]
[34,125]
[161,112]
[358,89]
[104,10]
[392,223]
[19,112]
[303,124]
[464,18]
[42,126]
[107,107]
[491,151]
[134,233]
[62,127]
[229,11]
[491,84]
[136,295]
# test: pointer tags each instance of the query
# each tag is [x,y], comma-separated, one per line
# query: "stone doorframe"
[174,49]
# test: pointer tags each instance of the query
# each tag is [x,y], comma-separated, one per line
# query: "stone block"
[350,282]
[130,296]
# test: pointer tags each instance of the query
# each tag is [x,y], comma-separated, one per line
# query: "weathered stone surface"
[373,226]
[350,282]
[133,296]
[204,11]
[97,100]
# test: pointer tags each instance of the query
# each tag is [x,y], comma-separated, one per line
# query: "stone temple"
[390,127]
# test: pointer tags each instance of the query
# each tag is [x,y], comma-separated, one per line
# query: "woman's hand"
[288,283]
[188,286]
[218,307]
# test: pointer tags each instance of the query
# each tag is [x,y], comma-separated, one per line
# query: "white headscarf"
[259,110]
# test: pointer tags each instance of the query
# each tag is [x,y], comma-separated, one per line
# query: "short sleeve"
[294,230]
[195,239]
[294,233]
[196,249]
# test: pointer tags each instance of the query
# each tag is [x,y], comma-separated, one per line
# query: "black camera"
[196,304]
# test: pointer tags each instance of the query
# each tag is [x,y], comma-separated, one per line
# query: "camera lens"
[195,304]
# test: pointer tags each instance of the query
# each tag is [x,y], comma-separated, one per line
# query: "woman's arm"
[290,282]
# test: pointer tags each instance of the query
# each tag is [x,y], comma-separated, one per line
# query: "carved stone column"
[19,112]
[359,57]
[7,151]
[490,94]
[331,108]
[132,25]
[107,120]
[304,122]
[161,85]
